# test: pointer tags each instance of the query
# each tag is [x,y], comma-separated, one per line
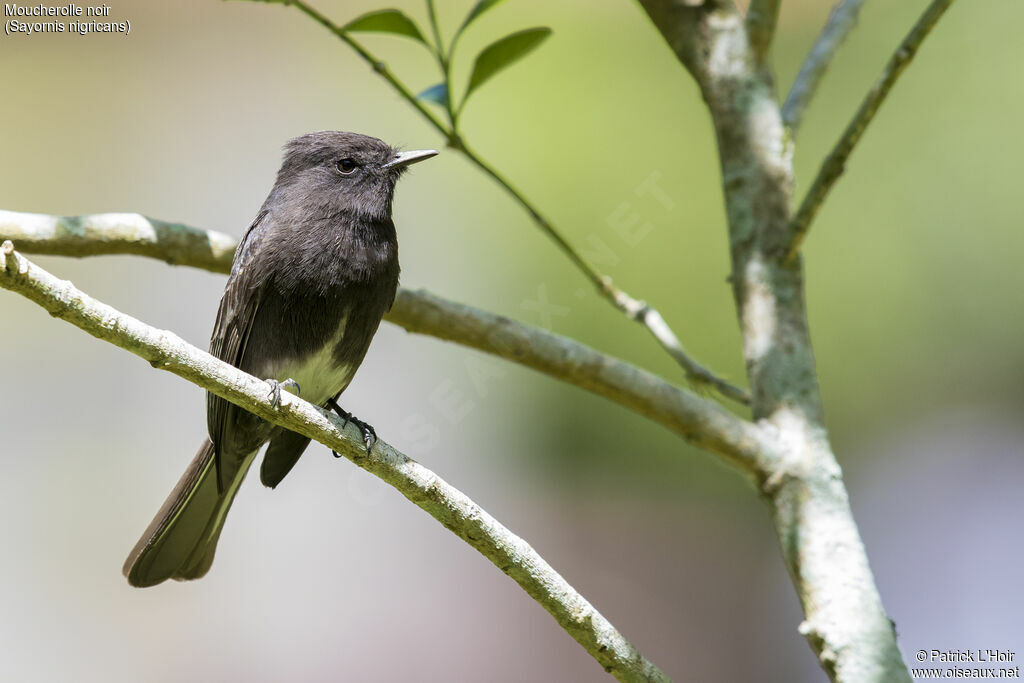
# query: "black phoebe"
[311,279]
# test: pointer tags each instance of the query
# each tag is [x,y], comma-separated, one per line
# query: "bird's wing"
[235,316]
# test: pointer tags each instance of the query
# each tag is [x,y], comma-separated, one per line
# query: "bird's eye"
[346,166]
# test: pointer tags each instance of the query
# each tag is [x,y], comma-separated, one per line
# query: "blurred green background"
[915,293]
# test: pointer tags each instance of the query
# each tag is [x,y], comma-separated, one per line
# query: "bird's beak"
[405,158]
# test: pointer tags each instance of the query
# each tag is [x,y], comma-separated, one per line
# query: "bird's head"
[344,171]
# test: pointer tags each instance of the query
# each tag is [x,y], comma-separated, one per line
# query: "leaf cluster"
[493,59]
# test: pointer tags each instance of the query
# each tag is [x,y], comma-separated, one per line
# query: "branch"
[700,421]
[762,17]
[845,622]
[635,309]
[835,162]
[119,233]
[842,20]
[166,351]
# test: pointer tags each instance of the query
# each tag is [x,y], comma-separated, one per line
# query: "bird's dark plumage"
[311,279]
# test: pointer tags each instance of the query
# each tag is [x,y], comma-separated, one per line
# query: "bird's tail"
[181,540]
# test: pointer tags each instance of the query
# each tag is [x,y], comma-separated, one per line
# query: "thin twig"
[443,63]
[376,64]
[702,422]
[762,17]
[639,311]
[835,162]
[840,22]
[452,508]
[634,309]
[435,28]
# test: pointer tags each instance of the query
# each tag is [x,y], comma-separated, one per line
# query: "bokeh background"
[916,295]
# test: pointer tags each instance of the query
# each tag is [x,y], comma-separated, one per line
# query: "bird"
[310,281]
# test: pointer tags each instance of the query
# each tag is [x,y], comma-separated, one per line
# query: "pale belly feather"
[319,375]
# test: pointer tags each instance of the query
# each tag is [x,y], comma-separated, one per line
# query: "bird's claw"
[367,430]
[275,389]
[369,434]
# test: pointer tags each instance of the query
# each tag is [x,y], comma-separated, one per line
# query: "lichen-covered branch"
[840,22]
[452,508]
[119,233]
[835,162]
[845,622]
[702,422]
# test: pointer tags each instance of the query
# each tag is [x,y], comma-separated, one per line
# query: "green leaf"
[479,8]
[502,53]
[438,94]
[386,21]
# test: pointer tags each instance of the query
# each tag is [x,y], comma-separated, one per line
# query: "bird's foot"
[275,389]
[369,434]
